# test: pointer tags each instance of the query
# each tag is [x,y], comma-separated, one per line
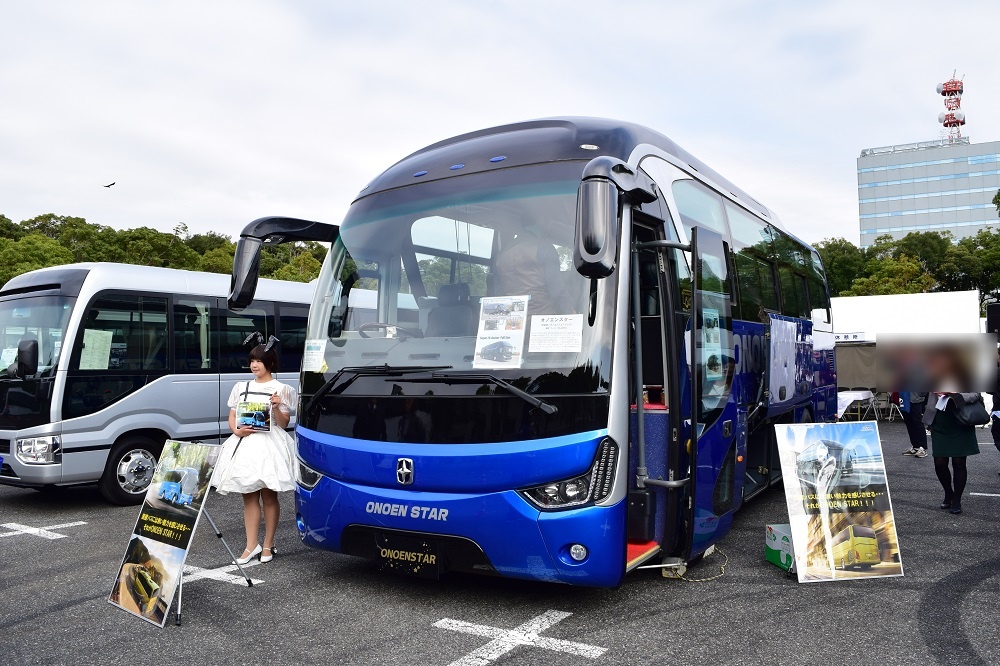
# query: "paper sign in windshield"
[500,338]
[314,358]
[556,333]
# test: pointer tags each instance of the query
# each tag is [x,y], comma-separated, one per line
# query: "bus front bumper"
[498,533]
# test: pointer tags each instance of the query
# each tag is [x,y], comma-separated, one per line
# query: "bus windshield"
[466,275]
[23,403]
[41,318]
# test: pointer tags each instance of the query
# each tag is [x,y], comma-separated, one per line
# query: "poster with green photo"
[154,558]
[839,506]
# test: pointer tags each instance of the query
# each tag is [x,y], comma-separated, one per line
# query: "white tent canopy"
[859,319]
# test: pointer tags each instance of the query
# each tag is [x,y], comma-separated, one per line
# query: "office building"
[943,185]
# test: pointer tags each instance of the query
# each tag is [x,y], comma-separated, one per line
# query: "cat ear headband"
[257,338]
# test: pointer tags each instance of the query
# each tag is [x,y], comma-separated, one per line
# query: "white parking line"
[193,573]
[505,640]
[44,532]
[985,494]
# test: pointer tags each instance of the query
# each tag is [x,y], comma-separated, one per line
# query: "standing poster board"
[838,501]
[154,559]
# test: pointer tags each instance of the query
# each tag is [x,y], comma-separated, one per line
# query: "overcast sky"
[214,113]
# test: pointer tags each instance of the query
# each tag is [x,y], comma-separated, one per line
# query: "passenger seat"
[454,313]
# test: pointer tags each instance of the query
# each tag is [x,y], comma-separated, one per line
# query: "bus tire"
[129,470]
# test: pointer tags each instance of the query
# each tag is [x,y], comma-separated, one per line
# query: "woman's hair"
[268,357]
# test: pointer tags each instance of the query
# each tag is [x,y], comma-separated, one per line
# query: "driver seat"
[453,314]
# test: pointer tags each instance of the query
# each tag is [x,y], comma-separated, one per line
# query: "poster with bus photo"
[500,336]
[154,558]
[838,500]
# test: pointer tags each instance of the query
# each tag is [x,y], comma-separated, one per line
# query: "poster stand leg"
[180,584]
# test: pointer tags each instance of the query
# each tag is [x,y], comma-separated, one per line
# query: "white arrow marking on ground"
[193,573]
[505,640]
[44,532]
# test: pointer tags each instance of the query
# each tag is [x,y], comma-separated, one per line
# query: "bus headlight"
[38,450]
[305,475]
[594,486]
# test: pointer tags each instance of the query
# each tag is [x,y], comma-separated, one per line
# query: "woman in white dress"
[255,461]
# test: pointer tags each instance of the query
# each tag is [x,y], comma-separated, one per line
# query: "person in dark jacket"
[995,416]
[951,439]
[913,415]
[530,266]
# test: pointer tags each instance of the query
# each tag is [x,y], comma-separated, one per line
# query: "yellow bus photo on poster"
[838,500]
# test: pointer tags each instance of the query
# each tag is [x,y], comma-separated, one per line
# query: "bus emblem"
[404,471]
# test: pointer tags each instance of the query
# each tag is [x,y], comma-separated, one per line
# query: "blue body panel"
[468,491]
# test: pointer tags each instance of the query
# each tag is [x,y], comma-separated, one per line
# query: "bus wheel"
[129,470]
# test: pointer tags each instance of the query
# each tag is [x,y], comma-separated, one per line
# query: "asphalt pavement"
[312,607]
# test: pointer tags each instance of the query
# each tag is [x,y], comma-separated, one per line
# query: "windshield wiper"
[369,371]
[524,395]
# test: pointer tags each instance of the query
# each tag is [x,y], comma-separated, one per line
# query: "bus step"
[637,553]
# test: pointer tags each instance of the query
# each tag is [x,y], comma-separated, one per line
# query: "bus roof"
[68,279]
[545,140]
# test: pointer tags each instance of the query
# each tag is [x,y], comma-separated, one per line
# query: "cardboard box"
[778,548]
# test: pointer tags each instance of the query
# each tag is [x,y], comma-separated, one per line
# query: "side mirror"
[594,251]
[27,358]
[246,270]
[272,231]
[605,180]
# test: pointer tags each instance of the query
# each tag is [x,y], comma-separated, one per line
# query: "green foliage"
[844,262]
[52,240]
[892,275]
[29,253]
[996,201]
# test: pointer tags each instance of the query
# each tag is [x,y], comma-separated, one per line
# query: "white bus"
[101,363]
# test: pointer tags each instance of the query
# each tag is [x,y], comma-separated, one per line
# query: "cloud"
[213,114]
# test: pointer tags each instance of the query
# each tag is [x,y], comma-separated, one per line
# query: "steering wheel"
[372,325]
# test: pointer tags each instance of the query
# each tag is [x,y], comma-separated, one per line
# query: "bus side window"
[699,206]
[123,333]
[234,329]
[193,336]
[793,293]
[292,322]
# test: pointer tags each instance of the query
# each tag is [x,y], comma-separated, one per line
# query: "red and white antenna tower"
[954,117]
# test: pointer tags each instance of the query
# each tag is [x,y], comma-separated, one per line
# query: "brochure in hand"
[256,415]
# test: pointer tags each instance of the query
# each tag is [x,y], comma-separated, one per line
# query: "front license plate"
[407,555]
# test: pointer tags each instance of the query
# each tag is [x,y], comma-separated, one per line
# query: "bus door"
[715,449]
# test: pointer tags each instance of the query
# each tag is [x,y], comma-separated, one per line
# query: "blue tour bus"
[661,321]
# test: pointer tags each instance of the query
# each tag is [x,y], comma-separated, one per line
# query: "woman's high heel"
[253,553]
[272,551]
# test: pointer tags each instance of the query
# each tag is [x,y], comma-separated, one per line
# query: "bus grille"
[4,446]
[7,470]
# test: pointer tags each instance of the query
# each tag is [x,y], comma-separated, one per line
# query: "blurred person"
[995,416]
[913,404]
[950,438]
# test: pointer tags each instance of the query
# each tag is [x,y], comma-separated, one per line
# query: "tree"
[973,263]
[892,275]
[89,242]
[302,268]
[149,247]
[30,253]
[8,229]
[49,224]
[204,243]
[218,260]
[927,247]
[996,201]
[844,262]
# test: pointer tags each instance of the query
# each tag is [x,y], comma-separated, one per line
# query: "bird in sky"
[110,184]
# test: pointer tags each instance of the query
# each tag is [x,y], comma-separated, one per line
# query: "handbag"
[973,412]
